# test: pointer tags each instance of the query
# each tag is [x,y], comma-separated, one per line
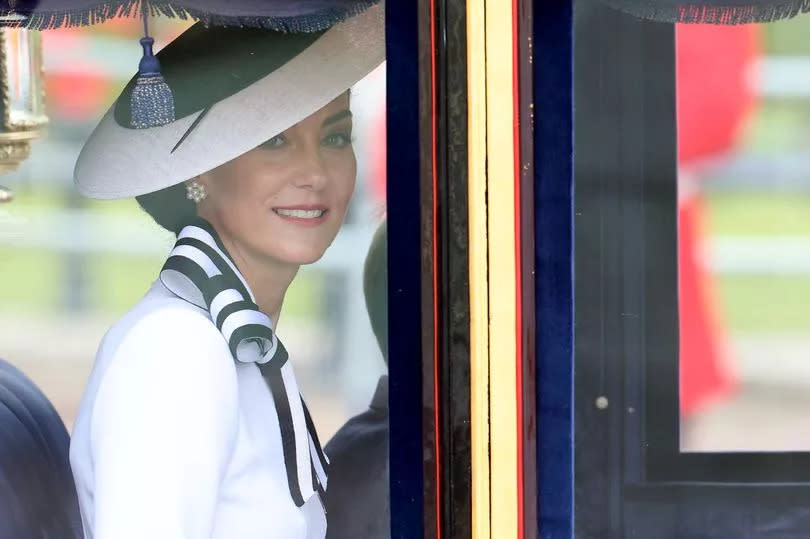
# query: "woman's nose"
[313,174]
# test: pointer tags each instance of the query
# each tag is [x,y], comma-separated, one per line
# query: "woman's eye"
[338,140]
[276,142]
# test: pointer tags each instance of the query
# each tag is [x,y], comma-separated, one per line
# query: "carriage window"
[691,225]
[691,221]
[744,236]
[70,267]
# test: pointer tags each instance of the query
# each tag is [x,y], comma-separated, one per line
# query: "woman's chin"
[301,258]
[303,261]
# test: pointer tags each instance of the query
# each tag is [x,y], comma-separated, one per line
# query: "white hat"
[240,86]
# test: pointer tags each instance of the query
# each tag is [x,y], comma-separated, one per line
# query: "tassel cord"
[145,16]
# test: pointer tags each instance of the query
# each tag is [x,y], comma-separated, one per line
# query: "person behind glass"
[357,500]
[192,425]
[37,495]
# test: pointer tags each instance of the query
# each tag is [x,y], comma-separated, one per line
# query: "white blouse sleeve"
[163,428]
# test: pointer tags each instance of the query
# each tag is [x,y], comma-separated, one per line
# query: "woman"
[192,424]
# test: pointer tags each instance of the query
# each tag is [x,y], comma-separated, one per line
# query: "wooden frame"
[477,295]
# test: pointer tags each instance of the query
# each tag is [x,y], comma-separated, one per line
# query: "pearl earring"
[195,191]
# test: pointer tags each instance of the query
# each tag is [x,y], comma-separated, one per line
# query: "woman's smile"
[306,215]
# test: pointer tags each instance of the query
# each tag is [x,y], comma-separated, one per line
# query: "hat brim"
[119,162]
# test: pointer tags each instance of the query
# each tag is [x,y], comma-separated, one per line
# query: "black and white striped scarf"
[200,271]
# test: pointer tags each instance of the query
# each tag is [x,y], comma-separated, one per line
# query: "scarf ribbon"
[200,271]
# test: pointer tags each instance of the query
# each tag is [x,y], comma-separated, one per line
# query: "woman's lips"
[303,215]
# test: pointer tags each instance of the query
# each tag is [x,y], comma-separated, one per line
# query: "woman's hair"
[169,207]
[37,493]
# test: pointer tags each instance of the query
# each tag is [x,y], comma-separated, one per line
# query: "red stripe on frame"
[434,168]
[518,272]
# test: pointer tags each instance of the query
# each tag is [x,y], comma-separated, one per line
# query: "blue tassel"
[152,102]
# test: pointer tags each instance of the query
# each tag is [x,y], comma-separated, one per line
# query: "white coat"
[176,440]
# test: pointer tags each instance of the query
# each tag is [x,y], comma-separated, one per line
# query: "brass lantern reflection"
[22,108]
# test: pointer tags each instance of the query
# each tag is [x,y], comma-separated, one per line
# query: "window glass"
[744,236]
[71,267]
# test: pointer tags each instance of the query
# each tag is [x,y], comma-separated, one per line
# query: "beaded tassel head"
[151,102]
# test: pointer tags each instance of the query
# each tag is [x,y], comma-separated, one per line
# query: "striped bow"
[200,271]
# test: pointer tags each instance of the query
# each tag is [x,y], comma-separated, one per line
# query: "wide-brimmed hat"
[234,88]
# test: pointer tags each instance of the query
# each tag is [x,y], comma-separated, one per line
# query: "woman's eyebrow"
[337,117]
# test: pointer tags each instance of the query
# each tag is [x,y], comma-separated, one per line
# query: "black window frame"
[407,482]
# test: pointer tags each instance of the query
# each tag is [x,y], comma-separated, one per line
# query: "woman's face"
[286,199]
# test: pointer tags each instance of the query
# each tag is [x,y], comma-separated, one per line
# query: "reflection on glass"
[23,56]
[744,237]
